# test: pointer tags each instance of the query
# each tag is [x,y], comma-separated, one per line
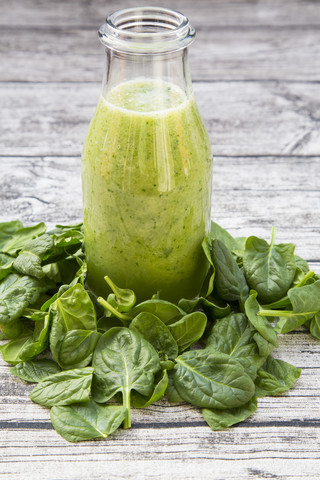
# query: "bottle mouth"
[146,30]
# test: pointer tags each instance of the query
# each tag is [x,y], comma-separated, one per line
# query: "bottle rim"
[146,30]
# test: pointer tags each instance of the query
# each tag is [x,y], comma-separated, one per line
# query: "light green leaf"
[35,370]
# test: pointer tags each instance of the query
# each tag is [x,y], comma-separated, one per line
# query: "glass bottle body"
[147,179]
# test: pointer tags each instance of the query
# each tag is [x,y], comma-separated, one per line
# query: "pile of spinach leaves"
[93,358]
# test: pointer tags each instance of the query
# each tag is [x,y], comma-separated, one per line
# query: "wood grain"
[75,54]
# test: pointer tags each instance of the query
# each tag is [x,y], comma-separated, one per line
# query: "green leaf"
[167,312]
[208,380]
[233,335]
[18,292]
[315,326]
[35,370]
[12,240]
[265,348]
[188,330]
[64,388]
[86,421]
[276,377]
[11,330]
[6,265]
[260,323]
[123,361]
[29,260]
[230,282]
[7,230]
[161,383]
[39,338]
[65,242]
[11,351]
[124,297]
[76,348]
[235,245]
[207,286]
[220,419]
[209,305]
[269,269]
[171,391]
[156,332]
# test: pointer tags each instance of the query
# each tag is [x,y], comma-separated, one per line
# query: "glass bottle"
[147,161]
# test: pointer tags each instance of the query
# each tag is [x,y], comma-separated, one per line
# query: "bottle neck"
[170,67]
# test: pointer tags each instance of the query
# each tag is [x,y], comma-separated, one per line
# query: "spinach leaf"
[11,330]
[161,383]
[207,286]
[39,338]
[188,330]
[30,257]
[305,303]
[105,323]
[86,421]
[64,388]
[171,391]
[123,361]
[269,269]
[35,370]
[167,312]
[156,332]
[315,326]
[220,419]
[124,297]
[265,348]
[7,230]
[233,335]
[275,377]
[6,265]
[260,323]
[213,307]
[76,348]
[66,242]
[18,292]
[12,240]
[208,380]
[11,351]
[230,282]
[235,245]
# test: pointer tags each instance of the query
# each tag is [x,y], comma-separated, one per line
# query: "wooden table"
[256,73]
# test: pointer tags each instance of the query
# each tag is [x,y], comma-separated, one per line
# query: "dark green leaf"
[269,269]
[188,330]
[11,330]
[86,421]
[315,326]
[76,348]
[64,388]
[39,338]
[208,380]
[235,245]
[276,377]
[11,351]
[161,383]
[35,370]
[260,323]
[155,332]
[220,419]
[29,260]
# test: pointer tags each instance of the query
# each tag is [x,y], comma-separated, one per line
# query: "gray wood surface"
[256,67]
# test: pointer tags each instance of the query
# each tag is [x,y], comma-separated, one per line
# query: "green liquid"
[146,175]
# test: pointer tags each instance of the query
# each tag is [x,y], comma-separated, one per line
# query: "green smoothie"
[146,175]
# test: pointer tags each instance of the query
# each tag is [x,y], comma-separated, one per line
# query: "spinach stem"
[111,309]
[126,404]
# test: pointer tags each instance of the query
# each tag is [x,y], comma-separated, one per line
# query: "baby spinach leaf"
[7,230]
[269,269]
[235,245]
[123,361]
[35,370]
[11,330]
[160,386]
[124,297]
[65,243]
[167,312]
[302,264]
[171,391]
[64,388]
[275,377]
[6,265]
[208,380]
[188,330]
[265,348]
[86,421]
[105,323]
[230,282]
[18,292]
[305,303]
[207,286]
[220,419]
[76,347]
[14,240]
[29,260]
[11,351]
[213,307]
[233,335]
[260,323]
[39,338]
[156,332]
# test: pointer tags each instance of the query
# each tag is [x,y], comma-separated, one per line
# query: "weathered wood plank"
[236,53]
[243,118]
[203,12]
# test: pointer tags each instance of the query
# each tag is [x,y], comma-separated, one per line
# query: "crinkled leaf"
[208,380]
[29,260]
[35,370]
[64,388]
[15,240]
[220,419]
[86,421]
[275,377]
